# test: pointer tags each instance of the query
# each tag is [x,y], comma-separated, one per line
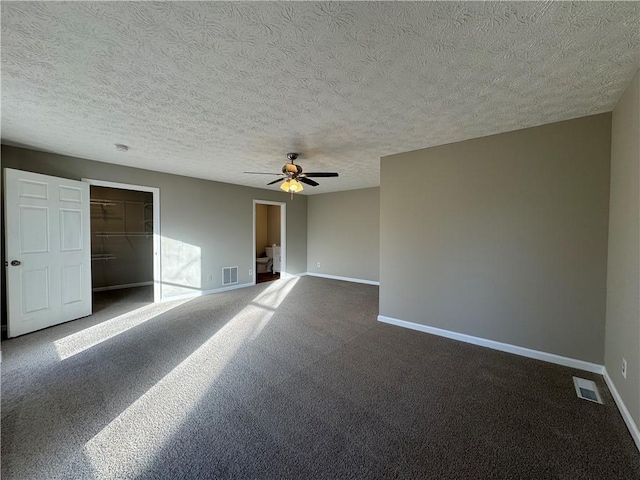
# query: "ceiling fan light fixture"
[292,186]
[295,186]
[292,177]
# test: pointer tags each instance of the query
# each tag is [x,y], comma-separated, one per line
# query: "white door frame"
[283,237]
[157,258]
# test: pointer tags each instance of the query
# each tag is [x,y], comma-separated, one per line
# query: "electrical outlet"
[318,264]
[250,272]
[209,277]
[624,368]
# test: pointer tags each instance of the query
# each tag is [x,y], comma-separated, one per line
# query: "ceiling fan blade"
[263,173]
[275,181]
[320,174]
[308,181]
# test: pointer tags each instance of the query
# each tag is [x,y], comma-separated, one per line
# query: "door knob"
[15,263]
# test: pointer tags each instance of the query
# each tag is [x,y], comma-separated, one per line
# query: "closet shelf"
[123,234]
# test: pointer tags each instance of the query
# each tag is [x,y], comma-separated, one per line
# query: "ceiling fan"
[292,175]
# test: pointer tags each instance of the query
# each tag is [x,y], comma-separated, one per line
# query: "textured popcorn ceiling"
[212,89]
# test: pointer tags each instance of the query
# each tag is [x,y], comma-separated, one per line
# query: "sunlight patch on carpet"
[127,445]
[90,337]
[271,299]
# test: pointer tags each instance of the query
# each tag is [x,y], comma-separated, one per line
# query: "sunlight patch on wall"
[90,337]
[141,431]
[181,267]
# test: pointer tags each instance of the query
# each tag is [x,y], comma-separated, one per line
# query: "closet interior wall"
[121,238]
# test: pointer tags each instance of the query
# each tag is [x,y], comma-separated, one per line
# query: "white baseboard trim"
[200,293]
[626,416]
[344,279]
[503,347]
[125,285]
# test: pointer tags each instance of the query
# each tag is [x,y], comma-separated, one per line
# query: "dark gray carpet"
[290,379]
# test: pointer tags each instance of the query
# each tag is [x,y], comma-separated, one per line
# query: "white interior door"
[48,250]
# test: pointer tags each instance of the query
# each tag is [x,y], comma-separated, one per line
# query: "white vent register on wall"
[229,275]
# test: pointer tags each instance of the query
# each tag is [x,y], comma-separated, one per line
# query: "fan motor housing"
[292,169]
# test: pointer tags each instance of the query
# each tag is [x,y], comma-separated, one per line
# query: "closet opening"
[124,243]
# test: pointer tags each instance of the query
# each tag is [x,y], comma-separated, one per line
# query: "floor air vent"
[229,275]
[586,390]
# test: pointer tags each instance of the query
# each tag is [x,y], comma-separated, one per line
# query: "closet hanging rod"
[104,257]
[103,204]
[99,201]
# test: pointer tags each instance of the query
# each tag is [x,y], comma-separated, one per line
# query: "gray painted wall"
[502,237]
[344,233]
[204,225]
[623,280]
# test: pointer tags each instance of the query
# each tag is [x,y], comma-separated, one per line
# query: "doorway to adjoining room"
[268,241]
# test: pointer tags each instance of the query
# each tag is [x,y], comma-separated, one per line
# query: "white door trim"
[283,237]
[157,257]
